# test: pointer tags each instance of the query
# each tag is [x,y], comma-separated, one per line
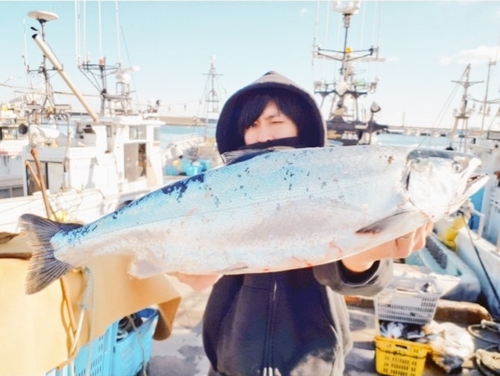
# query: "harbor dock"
[182,354]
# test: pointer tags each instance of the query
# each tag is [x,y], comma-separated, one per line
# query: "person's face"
[271,125]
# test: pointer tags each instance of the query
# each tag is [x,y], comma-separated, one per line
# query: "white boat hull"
[457,280]
[484,259]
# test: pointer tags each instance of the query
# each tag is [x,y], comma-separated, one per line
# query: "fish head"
[439,181]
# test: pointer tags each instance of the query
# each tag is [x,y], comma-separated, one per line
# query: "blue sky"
[426,44]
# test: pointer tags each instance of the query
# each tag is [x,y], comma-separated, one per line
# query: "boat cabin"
[115,156]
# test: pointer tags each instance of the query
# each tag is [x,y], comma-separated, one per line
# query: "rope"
[486,325]
[85,306]
[139,341]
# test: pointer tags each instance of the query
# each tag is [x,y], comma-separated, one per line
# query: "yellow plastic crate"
[397,357]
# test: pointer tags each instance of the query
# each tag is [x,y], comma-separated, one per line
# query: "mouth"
[475,183]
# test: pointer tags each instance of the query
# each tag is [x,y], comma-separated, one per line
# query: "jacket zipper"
[268,360]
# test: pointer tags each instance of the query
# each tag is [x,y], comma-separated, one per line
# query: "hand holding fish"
[196,282]
[397,248]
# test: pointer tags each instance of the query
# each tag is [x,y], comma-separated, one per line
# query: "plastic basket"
[397,357]
[100,357]
[133,351]
[408,300]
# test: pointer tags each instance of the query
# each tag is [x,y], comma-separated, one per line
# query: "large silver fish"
[271,211]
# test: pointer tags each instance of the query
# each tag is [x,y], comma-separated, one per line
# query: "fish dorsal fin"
[237,156]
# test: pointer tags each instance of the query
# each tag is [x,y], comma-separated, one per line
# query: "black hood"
[229,137]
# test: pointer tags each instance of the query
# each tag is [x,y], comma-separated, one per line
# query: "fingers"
[196,282]
[429,227]
[404,245]
[413,241]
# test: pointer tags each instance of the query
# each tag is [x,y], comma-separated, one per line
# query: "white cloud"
[479,55]
[391,59]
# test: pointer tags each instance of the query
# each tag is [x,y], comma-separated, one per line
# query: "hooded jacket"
[286,323]
[229,137]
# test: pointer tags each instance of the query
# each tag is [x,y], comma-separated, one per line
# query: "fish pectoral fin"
[143,268]
[391,223]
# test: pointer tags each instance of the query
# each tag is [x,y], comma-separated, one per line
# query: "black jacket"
[287,323]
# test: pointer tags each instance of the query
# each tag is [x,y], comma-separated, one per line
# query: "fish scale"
[275,210]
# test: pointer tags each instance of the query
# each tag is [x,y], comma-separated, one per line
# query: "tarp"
[37,331]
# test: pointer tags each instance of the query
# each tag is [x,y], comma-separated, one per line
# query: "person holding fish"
[291,322]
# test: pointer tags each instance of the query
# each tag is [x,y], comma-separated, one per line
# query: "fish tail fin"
[44,268]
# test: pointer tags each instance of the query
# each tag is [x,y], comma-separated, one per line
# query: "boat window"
[5,193]
[109,132]
[10,133]
[493,135]
[137,133]
[52,173]
[16,191]
[33,180]
[157,133]
[135,161]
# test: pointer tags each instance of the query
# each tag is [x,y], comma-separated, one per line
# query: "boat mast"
[346,85]
[60,70]
[211,98]
[462,115]
[485,101]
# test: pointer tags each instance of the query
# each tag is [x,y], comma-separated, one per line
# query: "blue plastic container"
[100,357]
[206,164]
[186,165]
[193,170]
[134,351]
[111,357]
[171,170]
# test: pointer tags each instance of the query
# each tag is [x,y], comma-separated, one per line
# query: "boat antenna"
[43,17]
[25,56]
[118,32]
[99,28]
[57,66]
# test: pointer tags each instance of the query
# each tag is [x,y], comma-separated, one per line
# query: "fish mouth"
[475,183]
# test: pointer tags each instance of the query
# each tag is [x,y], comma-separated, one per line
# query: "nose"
[264,134]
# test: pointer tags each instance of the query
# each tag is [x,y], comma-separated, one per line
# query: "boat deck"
[182,354]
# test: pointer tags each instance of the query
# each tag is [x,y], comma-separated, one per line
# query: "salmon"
[264,211]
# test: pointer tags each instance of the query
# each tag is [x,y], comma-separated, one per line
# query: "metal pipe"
[480,226]
[49,55]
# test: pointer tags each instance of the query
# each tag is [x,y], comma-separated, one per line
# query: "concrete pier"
[182,354]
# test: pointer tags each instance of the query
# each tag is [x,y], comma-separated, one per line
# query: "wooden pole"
[34,153]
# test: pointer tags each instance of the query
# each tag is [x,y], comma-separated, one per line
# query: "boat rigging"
[345,123]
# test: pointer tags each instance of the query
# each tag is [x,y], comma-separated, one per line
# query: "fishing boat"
[347,122]
[478,243]
[471,236]
[85,169]
[455,278]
